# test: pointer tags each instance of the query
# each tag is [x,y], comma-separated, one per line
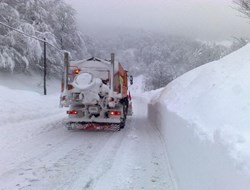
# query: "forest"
[160,58]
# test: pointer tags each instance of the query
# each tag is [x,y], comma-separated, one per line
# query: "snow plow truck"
[96,93]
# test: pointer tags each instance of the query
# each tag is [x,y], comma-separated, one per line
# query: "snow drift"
[204,116]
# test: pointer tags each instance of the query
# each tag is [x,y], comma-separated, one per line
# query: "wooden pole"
[112,73]
[66,70]
[45,67]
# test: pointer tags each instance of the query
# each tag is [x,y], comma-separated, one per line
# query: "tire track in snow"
[54,158]
[173,180]
[80,163]
[140,161]
[18,144]
[101,164]
[32,129]
[63,149]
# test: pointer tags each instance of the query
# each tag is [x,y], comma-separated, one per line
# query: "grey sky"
[201,19]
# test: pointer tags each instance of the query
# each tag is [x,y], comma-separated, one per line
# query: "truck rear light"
[72,112]
[70,87]
[77,71]
[115,113]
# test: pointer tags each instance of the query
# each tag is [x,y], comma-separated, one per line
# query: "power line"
[45,42]
[34,37]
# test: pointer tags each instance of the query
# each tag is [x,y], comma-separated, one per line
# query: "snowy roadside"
[24,116]
[197,162]
[204,118]
[30,82]
[37,152]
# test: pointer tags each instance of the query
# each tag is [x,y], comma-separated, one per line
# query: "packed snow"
[204,117]
[191,135]
[38,152]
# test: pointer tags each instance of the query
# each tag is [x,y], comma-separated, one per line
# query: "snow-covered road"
[40,153]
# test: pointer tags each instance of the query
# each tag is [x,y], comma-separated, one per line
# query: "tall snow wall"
[204,117]
[197,164]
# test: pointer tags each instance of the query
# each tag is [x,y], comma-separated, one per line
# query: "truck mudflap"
[93,126]
[130,111]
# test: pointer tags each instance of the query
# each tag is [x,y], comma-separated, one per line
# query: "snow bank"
[26,111]
[17,105]
[205,116]
[24,114]
[30,82]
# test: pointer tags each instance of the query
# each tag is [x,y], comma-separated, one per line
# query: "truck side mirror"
[131,79]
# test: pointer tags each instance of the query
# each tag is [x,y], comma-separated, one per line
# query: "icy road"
[37,152]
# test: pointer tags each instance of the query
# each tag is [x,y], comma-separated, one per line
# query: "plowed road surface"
[37,152]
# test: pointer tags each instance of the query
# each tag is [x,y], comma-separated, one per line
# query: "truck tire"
[122,124]
[125,111]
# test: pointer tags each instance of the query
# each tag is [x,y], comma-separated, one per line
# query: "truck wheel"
[122,124]
[125,111]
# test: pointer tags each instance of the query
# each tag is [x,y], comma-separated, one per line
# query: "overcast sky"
[200,19]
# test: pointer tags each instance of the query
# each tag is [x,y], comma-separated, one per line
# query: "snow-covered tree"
[50,19]
[243,6]
[161,58]
[159,74]
[237,44]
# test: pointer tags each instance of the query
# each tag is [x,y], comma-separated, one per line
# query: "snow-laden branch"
[30,36]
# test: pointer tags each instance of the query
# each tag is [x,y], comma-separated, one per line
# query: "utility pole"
[45,67]
[44,43]
[66,71]
[112,73]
